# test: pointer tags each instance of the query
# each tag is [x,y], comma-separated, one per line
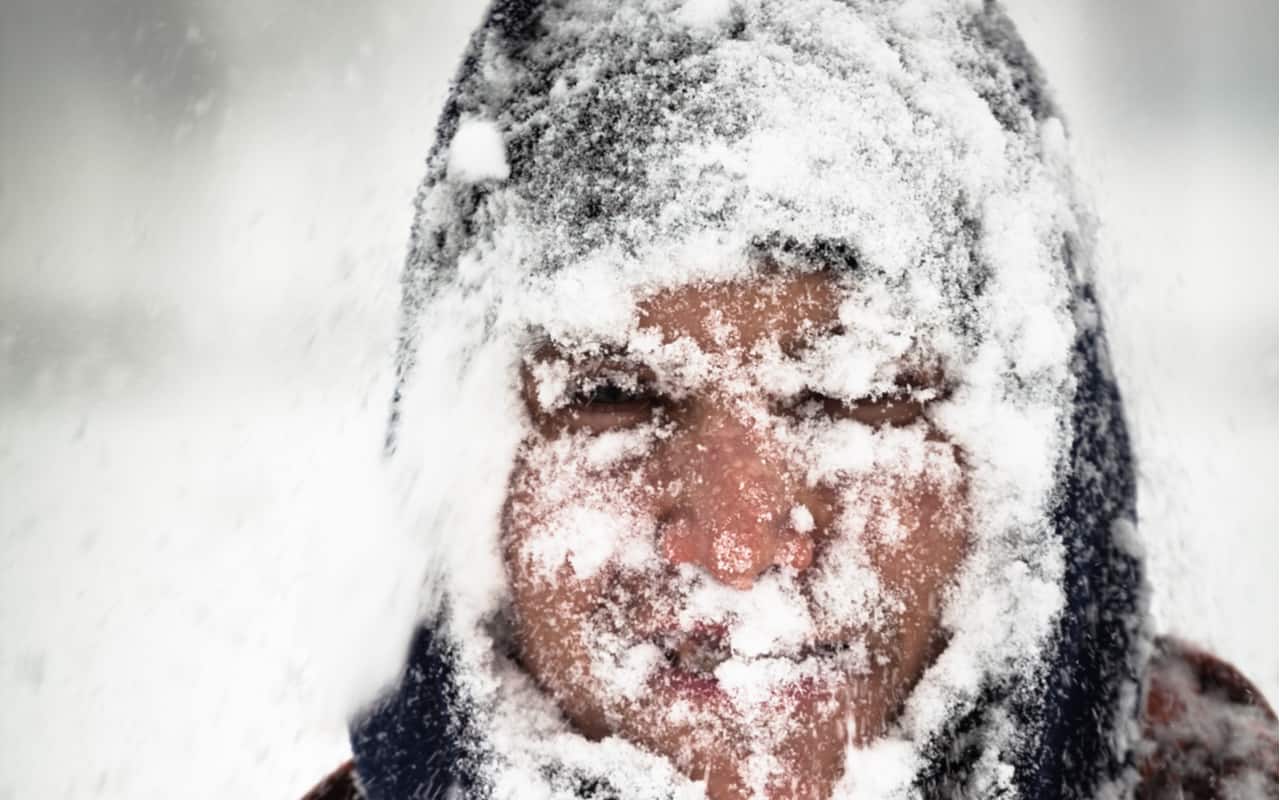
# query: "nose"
[732,515]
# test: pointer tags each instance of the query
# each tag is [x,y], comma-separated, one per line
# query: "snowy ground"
[201,219]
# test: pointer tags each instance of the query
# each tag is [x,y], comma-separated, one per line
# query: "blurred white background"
[203,208]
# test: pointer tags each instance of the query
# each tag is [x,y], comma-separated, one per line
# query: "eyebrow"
[544,347]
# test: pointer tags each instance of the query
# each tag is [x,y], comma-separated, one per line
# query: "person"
[755,399]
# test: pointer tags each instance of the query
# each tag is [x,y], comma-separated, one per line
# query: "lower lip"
[697,688]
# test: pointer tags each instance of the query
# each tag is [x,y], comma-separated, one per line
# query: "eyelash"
[629,405]
[896,410]
[610,393]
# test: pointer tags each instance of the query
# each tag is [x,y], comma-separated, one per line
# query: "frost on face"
[714,553]
[782,301]
[578,513]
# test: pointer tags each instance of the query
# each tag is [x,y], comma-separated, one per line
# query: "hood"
[596,151]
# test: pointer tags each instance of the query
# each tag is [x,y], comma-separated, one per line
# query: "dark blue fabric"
[1103,583]
[406,745]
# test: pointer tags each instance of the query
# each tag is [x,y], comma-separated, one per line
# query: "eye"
[608,393]
[587,387]
[896,410]
[899,408]
[610,399]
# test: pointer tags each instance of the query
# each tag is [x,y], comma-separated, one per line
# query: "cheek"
[920,535]
[574,525]
[552,590]
[570,530]
[571,537]
[907,522]
[553,608]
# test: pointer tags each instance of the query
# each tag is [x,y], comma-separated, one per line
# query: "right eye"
[608,393]
[609,403]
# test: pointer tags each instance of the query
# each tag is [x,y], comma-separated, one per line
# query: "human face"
[715,561]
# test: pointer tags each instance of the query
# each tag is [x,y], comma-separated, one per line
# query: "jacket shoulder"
[1208,732]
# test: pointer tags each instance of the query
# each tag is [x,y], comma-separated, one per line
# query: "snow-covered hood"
[596,151]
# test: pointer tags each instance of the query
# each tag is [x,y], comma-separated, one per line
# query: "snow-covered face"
[724,548]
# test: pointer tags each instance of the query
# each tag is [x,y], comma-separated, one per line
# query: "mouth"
[697,655]
[701,654]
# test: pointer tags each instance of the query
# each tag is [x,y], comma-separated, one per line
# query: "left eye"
[897,410]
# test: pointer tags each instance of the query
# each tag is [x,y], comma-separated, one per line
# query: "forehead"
[742,313]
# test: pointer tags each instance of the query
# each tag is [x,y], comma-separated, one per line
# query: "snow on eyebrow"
[551,381]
